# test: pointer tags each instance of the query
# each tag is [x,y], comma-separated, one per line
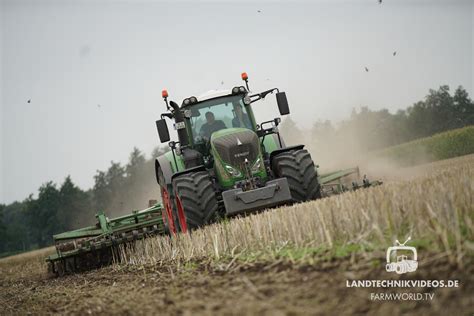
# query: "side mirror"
[282,103]
[163,130]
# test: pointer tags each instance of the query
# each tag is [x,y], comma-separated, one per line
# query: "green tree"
[100,191]
[135,175]
[42,214]
[464,108]
[117,192]
[17,227]
[3,230]
[109,192]
[440,107]
[115,178]
[135,164]
[74,209]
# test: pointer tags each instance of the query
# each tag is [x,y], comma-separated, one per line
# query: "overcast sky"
[94,70]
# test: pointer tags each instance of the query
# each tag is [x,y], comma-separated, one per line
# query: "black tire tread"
[297,167]
[198,198]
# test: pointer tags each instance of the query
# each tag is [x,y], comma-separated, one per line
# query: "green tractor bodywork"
[176,163]
[227,178]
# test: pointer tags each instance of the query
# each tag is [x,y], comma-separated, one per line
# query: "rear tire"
[196,200]
[298,168]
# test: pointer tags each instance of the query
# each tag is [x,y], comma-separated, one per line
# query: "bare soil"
[272,288]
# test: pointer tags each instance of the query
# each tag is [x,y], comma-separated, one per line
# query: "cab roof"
[211,94]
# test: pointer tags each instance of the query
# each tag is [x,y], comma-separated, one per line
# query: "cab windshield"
[213,115]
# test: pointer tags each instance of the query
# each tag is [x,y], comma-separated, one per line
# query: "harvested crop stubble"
[437,209]
[26,265]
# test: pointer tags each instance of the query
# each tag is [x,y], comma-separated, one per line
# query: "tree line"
[366,131]
[31,223]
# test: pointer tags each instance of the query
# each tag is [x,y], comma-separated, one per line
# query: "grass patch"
[454,143]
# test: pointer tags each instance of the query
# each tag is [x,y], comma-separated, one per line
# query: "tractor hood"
[231,148]
[235,145]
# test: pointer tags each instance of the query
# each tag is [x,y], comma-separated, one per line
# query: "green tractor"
[224,163]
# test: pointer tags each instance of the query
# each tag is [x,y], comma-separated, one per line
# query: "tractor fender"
[164,164]
[193,169]
[282,150]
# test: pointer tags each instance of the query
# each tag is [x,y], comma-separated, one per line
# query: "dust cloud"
[335,149]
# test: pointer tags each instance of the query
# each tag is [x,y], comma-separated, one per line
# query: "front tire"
[196,200]
[298,168]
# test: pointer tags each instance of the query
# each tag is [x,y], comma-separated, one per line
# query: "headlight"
[234,172]
[256,166]
[235,90]
[242,89]
[186,101]
[193,99]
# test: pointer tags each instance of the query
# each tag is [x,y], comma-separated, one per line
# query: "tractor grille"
[235,148]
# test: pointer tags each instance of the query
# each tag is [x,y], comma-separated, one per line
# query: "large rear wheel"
[298,168]
[196,201]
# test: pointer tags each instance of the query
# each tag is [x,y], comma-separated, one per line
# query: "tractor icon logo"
[403,264]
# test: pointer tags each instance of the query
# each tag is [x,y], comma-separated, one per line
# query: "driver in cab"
[212,125]
[241,119]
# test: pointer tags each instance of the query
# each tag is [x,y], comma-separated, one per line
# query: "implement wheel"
[298,168]
[196,201]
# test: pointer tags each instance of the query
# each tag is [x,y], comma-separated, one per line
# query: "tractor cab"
[203,118]
[218,130]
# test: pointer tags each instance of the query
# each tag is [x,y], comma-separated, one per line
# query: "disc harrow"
[98,245]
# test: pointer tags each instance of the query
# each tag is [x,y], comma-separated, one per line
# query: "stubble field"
[291,260]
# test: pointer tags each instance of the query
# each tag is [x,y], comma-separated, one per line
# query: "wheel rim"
[181,215]
[168,217]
